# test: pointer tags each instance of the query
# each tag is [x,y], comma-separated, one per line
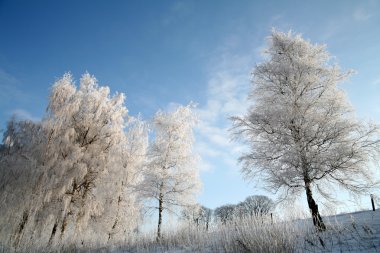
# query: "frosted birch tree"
[198,215]
[86,133]
[302,133]
[78,166]
[97,161]
[171,177]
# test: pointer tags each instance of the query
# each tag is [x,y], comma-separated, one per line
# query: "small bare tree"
[301,130]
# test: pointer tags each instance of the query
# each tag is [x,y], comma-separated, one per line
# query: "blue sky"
[161,53]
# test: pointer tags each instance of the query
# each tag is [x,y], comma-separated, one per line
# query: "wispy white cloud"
[365,11]
[203,148]
[182,7]
[227,91]
[9,88]
[6,77]
[376,82]
[205,166]
[332,28]
[362,14]
[178,10]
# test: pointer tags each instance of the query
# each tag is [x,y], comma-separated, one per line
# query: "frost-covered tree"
[81,162]
[225,213]
[171,176]
[302,133]
[205,216]
[20,160]
[198,215]
[85,146]
[256,205]
[191,214]
[122,210]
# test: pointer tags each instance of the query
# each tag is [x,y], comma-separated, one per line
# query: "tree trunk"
[160,209]
[317,219]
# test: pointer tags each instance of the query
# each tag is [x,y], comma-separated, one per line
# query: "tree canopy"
[67,179]
[302,133]
[170,176]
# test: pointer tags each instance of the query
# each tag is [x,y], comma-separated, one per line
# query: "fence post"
[373,203]
[271,218]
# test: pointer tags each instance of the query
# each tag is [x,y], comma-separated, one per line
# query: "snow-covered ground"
[351,232]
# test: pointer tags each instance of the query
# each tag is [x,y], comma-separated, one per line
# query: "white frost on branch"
[301,130]
[68,180]
[170,176]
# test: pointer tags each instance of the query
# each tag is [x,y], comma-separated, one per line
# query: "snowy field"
[351,232]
